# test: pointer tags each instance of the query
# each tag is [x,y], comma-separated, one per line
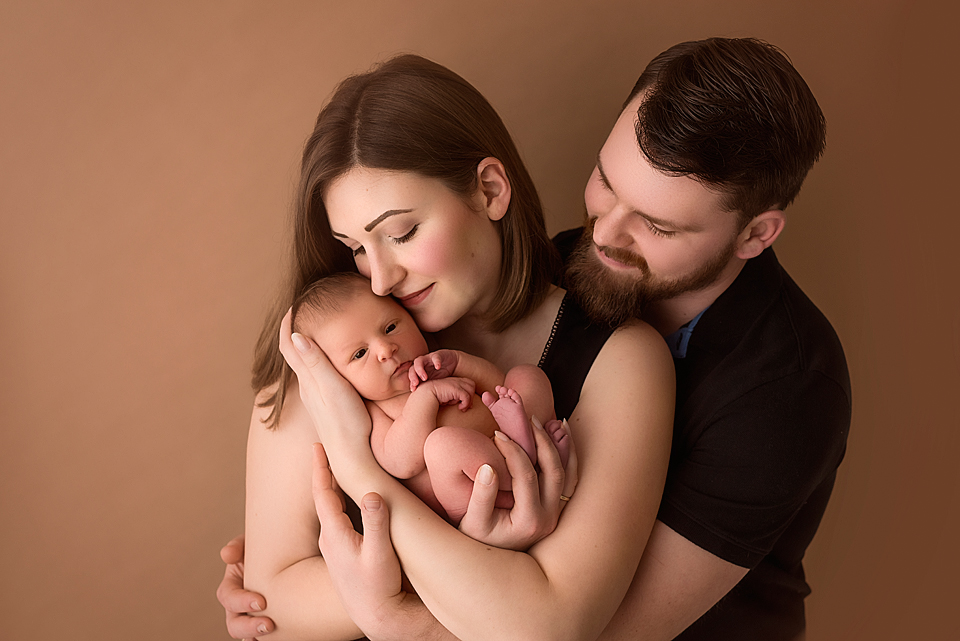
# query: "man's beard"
[613,298]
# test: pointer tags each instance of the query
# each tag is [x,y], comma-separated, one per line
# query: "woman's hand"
[237,602]
[337,410]
[537,498]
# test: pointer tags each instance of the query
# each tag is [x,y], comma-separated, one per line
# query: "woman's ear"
[760,233]
[494,188]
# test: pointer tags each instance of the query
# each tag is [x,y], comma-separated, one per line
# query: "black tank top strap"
[569,354]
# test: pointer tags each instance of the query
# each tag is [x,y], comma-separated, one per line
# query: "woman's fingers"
[287,348]
[551,479]
[525,486]
[572,471]
[479,520]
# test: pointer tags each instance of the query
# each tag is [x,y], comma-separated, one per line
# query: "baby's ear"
[494,188]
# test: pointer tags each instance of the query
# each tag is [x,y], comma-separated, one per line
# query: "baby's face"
[372,344]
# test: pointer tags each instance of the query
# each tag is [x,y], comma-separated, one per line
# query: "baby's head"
[371,340]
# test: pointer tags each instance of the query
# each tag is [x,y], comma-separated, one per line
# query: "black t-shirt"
[763,411]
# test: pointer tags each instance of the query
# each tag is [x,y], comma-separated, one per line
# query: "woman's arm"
[570,584]
[283,561]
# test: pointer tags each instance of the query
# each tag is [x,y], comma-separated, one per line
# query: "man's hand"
[237,602]
[364,569]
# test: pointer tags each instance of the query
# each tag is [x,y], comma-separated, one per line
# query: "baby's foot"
[508,411]
[560,438]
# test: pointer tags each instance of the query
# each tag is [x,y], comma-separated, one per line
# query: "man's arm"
[676,583]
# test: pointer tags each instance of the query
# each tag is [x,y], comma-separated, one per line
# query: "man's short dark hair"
[733,114]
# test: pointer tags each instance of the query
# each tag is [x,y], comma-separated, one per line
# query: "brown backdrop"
[147,160]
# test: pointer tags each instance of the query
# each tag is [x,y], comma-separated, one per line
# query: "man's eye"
[663,233]
[359,353]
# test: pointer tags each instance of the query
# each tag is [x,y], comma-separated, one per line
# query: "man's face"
[649,236]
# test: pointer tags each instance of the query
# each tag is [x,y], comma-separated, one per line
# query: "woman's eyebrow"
[379,219]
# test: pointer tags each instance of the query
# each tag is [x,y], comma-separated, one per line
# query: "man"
[686,199]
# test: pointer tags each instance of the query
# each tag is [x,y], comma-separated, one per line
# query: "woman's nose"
[385,274]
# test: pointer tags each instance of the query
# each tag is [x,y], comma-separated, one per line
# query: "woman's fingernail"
[371,505]
[485,474]
[500,435]
[300,342]
[262,628]
[536,422]
[255,606]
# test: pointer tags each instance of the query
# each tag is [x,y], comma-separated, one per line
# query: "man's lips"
[416,297]
[617,259]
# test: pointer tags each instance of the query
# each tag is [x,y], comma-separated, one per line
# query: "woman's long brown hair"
[407,114]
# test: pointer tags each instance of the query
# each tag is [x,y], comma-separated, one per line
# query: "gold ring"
[564,498]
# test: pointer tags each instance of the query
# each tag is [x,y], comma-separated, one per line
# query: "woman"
[411,178]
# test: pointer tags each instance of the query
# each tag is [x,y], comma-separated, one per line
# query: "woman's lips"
[415,298]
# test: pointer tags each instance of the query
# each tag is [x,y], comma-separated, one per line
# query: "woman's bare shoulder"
[636,345]
[294,421]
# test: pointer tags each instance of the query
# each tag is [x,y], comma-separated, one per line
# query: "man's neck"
[669,315]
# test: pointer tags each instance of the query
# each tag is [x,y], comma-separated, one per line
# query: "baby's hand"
[453,391]
[439,364]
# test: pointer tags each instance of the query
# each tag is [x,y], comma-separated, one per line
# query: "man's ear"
[494,188]
[760,233]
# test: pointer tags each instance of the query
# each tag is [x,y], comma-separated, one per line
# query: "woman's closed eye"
[399,240]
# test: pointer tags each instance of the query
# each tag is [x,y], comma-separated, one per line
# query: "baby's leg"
[537,394]
[533,386]
[535,390]
[453,455]
[507,409]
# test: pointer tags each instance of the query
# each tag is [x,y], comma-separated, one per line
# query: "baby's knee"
[527,378]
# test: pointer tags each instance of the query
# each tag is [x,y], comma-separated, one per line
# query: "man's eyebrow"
[603,176]
[379,219]
[659,222]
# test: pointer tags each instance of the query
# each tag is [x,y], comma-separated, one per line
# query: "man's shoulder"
[765,328]
[566,241]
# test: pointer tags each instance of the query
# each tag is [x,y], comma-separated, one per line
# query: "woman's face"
[418,241]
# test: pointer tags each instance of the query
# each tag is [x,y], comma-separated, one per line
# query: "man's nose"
[610,229]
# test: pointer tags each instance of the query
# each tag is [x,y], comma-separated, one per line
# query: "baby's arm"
[450,362]
[398,445]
